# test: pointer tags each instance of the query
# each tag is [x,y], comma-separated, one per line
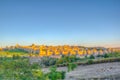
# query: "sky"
[60,22]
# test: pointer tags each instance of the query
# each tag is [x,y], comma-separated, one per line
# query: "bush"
[35,66]
[63,74]
[105,56]
[71,66]
[67,59]
[72,58]
[39,75]
[99,55]
[90,61]
[92,57]
[20,69]
[59,61]
[55,75]
[15,56]
[47,61]
[86,57]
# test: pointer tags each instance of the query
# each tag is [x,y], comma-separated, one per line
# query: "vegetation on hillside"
[15,66]
[20,69]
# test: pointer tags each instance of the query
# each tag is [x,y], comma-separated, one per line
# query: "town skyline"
[58,45]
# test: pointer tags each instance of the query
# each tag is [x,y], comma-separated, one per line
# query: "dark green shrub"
[72,58]
[63,74]
[77,59]
[92,57]
[105,56]
[99,55]
[16,56]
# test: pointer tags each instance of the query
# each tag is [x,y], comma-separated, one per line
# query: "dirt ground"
[104,71]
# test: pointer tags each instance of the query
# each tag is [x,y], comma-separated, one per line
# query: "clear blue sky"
[58,22]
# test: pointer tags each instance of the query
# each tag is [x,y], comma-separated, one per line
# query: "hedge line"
[92,62]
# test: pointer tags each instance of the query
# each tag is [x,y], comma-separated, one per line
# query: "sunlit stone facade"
[43,50]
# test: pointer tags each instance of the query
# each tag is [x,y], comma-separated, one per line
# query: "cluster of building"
[43,50]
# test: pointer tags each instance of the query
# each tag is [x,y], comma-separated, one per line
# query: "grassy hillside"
[13,52]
